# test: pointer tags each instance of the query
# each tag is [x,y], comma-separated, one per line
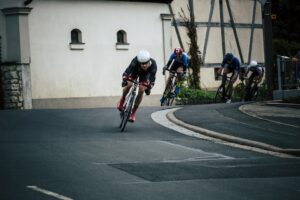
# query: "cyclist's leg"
[259,76]
[179,80]
[176,68]
[233,79]
[143,85]
[125,92]
[224,80]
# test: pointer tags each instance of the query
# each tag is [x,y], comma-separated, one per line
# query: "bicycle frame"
[223,89]
[128,104]
[251,87]
[169,93]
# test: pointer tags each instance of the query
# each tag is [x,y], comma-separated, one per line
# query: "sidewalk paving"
[266,125]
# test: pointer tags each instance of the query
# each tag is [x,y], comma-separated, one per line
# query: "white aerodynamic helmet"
[143,56]
[253,63]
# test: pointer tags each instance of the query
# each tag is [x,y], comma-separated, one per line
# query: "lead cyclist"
[144,67]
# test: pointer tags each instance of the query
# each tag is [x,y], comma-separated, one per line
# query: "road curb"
[170,116]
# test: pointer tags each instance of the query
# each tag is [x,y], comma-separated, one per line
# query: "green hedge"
[199,96]
[194,96]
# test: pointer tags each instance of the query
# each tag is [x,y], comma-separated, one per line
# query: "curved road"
[81,154]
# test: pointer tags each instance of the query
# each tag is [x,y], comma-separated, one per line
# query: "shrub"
[194,96]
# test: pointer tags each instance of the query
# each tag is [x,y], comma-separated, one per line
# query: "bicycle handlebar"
[172,71]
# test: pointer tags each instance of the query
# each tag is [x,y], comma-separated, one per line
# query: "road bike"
[172,89]
[128,104]
[223,92]
[251,88]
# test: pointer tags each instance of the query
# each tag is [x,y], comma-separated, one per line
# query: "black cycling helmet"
[229,56]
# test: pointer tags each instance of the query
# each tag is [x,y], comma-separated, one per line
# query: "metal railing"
[288,73]
[1,87]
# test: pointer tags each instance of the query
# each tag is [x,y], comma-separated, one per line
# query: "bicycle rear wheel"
[170,99]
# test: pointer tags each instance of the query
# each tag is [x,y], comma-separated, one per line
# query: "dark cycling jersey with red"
[146,77]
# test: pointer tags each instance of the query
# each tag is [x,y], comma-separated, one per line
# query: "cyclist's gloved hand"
[149,87]
[181,75]
[164,69]
[148,91]
[124,80]
[124,83]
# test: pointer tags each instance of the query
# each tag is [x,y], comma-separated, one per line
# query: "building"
[71,53]
[234,26]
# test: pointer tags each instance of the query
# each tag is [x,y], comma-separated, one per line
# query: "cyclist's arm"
[172,57]
[130,68]
[185,62]
[153,70]
[237,65]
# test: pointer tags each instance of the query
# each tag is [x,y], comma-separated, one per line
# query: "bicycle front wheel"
[165,100]
[253,92]
[127,112]
[219,95]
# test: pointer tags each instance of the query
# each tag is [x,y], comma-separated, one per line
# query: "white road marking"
[210,156]
[47,192]
[248,111]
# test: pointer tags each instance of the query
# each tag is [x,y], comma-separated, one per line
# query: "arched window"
[121,37]
[76,36]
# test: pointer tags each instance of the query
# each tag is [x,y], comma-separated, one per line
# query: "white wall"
[58,72]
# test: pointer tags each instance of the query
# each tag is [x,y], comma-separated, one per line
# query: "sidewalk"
[269,126]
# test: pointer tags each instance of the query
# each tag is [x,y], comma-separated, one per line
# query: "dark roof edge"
[150,1]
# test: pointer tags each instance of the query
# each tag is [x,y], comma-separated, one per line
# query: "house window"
[76,40]
[121,37]
[122,40]
[217,77]
[76,36]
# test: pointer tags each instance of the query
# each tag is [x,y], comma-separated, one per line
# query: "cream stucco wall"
[58,72]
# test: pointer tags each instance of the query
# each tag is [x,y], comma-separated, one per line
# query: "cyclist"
[257,71]
[144,67]
[178,62]
[256,74]
[230,64]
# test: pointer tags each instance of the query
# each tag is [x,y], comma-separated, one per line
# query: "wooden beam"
[212,5]
[222,26]
[234,31]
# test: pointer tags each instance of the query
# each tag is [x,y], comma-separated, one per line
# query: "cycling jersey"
[181,61]
[134,70]
[234,65]
[258,69]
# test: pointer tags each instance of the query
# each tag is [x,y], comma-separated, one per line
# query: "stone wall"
[12,85]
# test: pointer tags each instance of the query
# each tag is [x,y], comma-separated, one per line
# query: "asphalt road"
[277,129]
[81,154]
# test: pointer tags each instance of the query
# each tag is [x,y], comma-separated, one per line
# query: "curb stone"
[294,152]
